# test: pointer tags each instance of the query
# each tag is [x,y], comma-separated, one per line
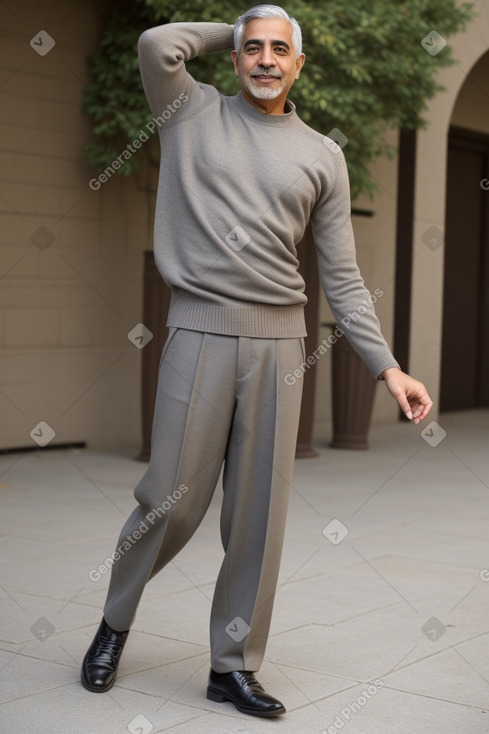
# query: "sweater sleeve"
[163,51]
[349,299]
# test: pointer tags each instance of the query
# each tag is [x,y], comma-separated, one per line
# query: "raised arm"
[163,52]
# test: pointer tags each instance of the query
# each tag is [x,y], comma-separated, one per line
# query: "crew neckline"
[277,120]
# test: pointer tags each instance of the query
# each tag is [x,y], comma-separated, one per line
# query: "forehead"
[268,29]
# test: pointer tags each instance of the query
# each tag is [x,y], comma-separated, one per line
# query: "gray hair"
[267,11]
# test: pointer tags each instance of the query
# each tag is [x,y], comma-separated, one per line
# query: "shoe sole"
[219,697]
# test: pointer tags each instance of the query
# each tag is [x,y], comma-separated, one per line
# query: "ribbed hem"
[188,311]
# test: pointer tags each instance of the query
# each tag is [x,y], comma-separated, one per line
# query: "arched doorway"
[466,78]
[465,332]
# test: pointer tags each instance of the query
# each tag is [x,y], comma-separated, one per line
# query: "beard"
[262,92]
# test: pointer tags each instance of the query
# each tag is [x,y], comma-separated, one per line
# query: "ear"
[299,63]
[234,57]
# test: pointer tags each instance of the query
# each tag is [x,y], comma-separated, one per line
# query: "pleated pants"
[221,400]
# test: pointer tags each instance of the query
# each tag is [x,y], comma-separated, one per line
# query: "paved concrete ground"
[383,630]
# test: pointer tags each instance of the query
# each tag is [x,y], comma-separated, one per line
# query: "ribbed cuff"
[381,360]
[215,36]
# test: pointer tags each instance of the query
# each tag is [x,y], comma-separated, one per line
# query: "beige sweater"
[237,188]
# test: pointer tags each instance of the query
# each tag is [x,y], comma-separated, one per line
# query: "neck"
[268,106]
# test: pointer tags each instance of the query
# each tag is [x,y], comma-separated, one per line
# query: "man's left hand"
[411,395]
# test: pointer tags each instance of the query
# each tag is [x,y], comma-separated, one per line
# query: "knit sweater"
[237,188]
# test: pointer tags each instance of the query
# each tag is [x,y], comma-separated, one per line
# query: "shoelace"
[109,647]
[249,678]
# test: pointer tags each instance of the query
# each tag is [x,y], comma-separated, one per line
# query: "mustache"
[265,72]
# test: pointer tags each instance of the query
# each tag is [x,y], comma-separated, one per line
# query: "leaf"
[365,70]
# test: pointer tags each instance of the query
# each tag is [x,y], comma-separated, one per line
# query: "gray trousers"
[220,399]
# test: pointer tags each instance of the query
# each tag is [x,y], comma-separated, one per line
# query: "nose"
[266,57]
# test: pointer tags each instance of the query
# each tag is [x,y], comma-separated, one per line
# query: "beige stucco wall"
[431,159]
[66,308]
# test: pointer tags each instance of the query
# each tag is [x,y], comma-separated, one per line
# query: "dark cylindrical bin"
[353,392]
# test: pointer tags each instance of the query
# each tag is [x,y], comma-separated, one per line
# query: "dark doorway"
[465,340]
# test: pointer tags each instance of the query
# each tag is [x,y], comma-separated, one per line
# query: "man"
[240,179]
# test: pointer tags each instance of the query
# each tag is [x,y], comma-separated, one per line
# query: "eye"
[281,49]
[252,49]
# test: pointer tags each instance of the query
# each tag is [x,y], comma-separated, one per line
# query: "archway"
[465,332]
[427,300]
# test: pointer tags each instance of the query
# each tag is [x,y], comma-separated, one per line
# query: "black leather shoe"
[241,688]
[99,668]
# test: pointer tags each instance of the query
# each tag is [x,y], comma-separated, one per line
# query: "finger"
[424,412]
[418,410]
[404,405]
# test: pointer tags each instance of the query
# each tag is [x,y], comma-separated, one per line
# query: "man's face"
[266,64]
